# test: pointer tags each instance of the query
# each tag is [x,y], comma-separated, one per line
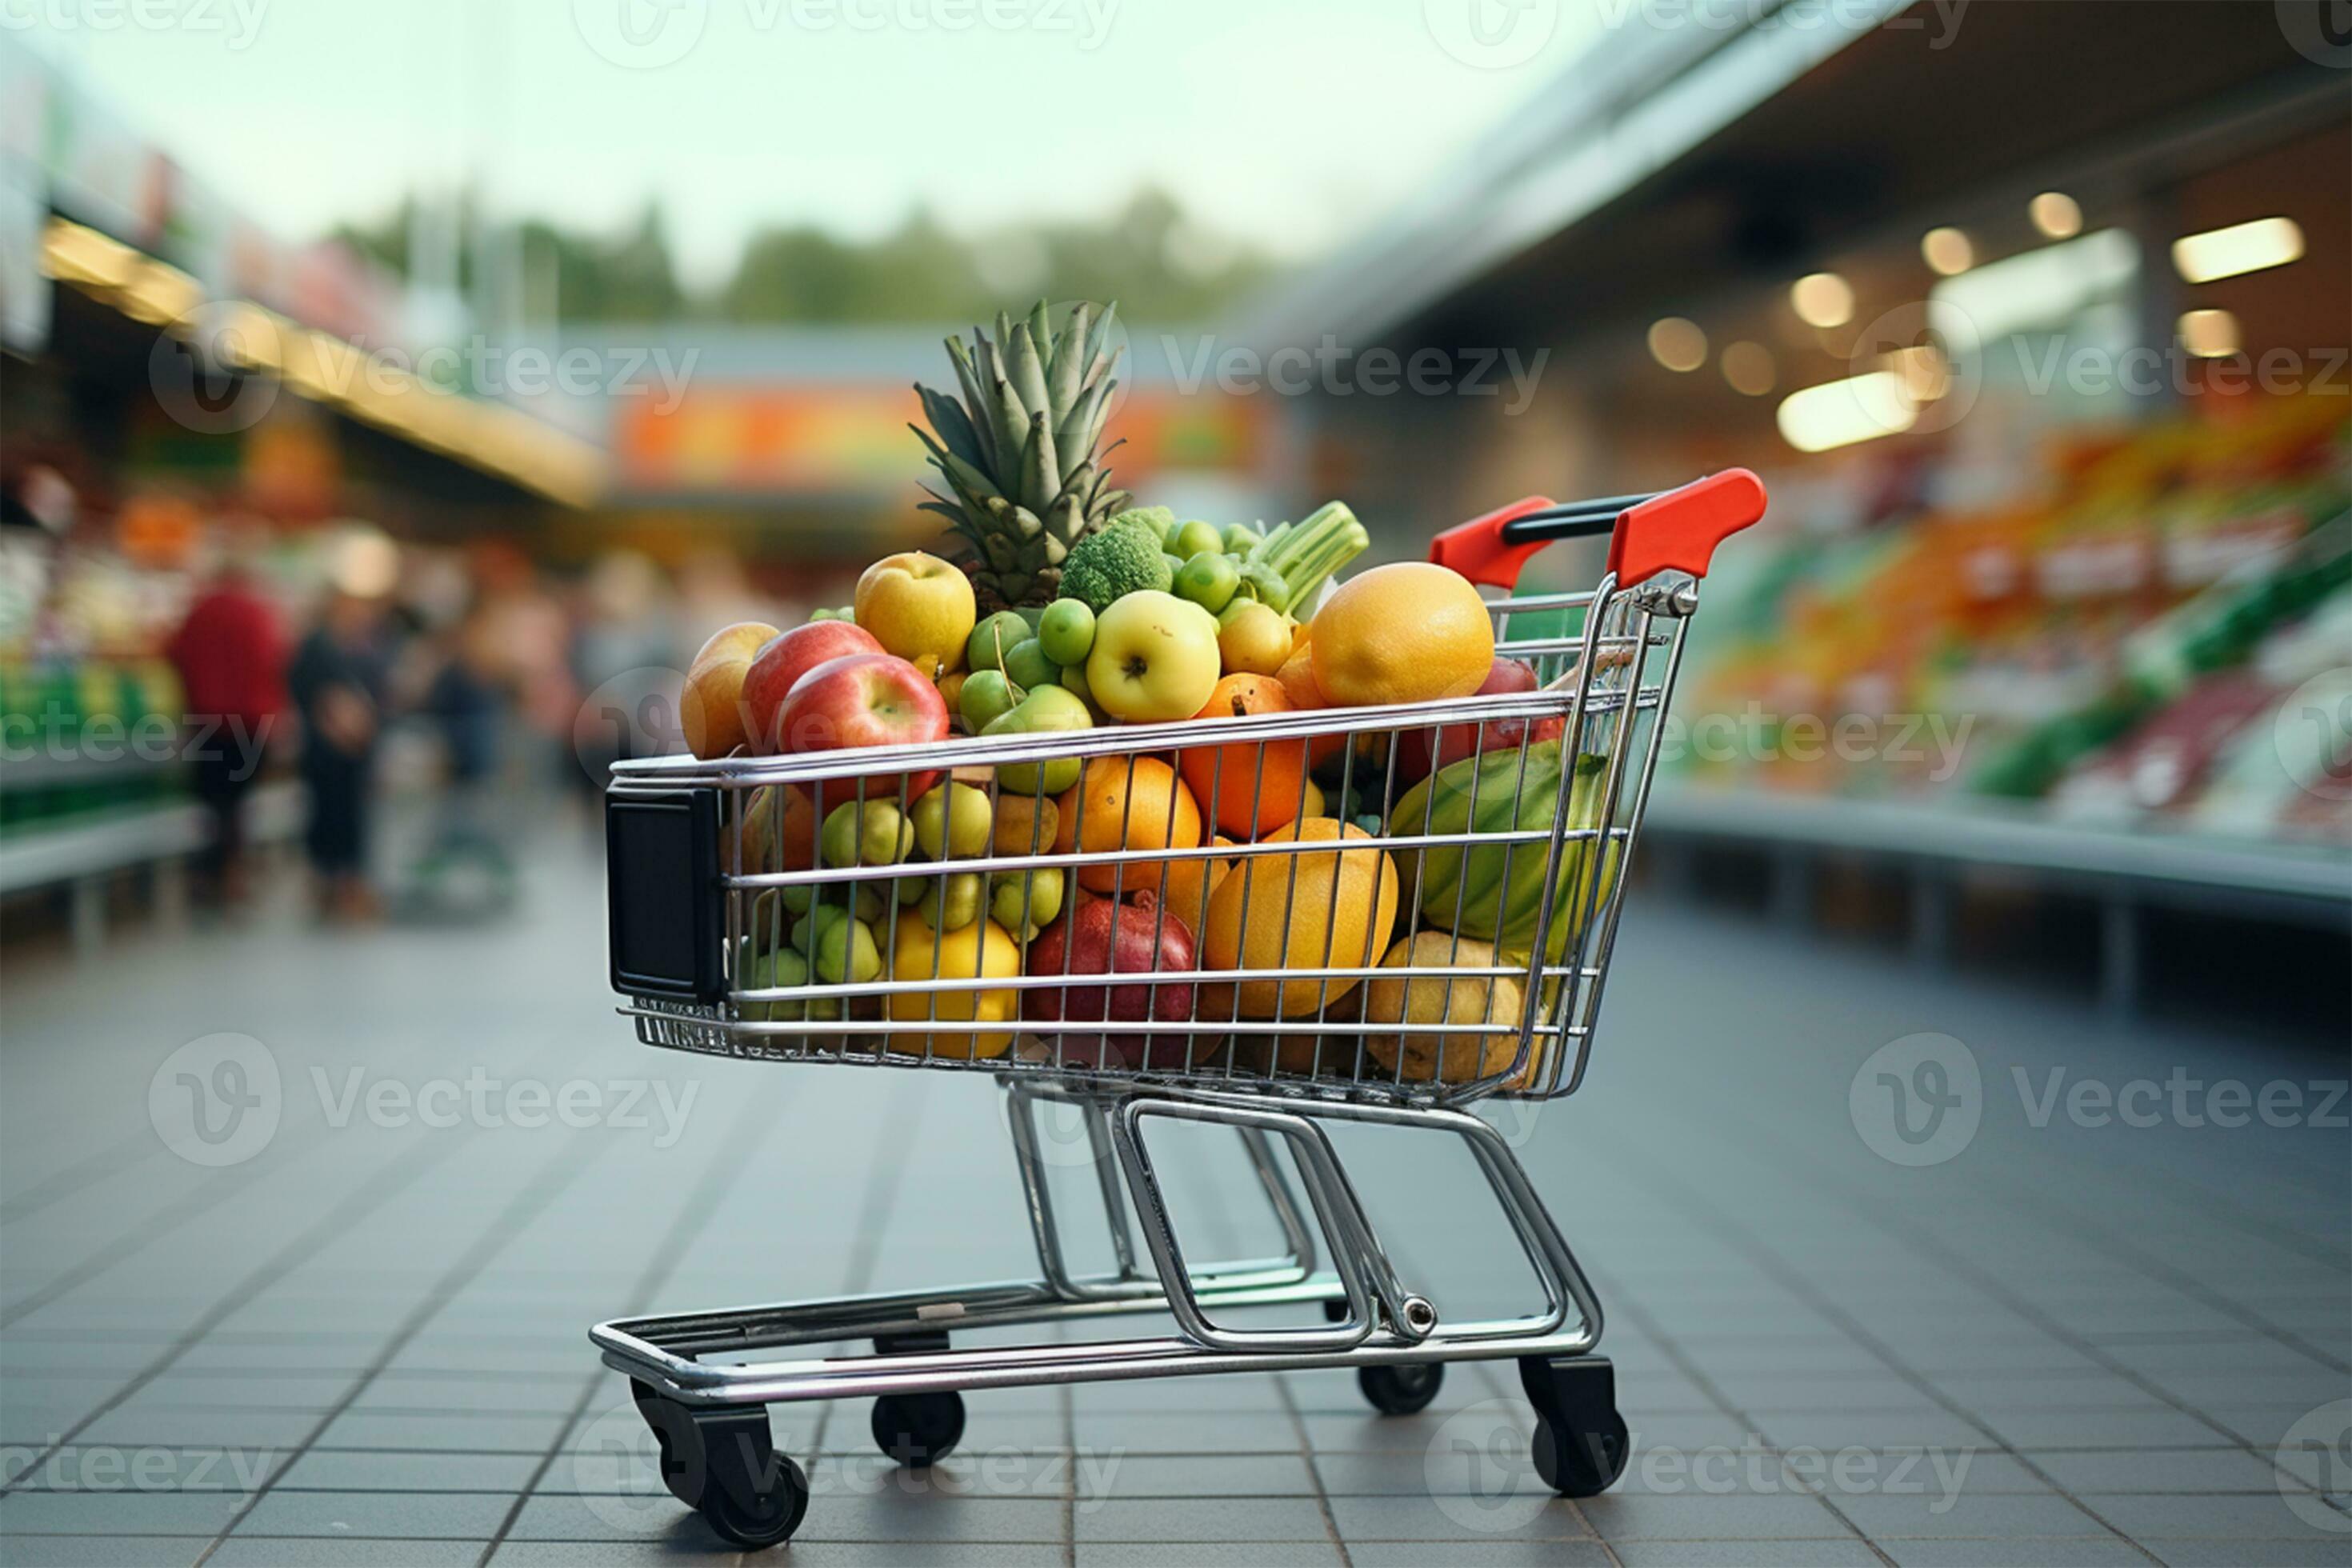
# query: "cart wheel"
[1580,1441]
[683,1468]
[1403,1389]
[754,1495]
[766,1517]
[919,1430]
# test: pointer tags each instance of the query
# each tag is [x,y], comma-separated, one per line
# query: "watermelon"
[1496,892]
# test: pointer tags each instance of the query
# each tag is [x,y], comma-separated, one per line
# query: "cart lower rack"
[1322,1019]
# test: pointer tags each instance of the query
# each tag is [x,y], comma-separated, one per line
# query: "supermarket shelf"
[42,770]
[114,841]
[2311,880]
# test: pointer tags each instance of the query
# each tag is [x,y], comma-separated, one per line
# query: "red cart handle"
[1668,531]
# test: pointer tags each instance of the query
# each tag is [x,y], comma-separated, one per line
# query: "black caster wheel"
[753,1495]
[1403,1389]
[766,1517]
[1581,1445]
[919,1430]
[683,1469]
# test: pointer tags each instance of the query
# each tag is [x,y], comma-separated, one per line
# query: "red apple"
[1456,742]
[863,699]
[783,660]
[710,708]
[1103,936]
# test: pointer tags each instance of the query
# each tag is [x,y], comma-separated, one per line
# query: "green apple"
[810,927]
[1209,580]
[845,954]
[1240,538]
[767,972]
[986,694]
[1048,709]
[958,908]
[1066,632]
[1037,893]
[876,833]
[1154,659]
[953,822]
[1027,665]
[1196,538]
[993,638]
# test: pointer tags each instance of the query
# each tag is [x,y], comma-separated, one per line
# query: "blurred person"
[621,657]
[467,700]
[336,681]
[230,652]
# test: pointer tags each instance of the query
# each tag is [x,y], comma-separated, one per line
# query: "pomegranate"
[1456,742]
[1102,936]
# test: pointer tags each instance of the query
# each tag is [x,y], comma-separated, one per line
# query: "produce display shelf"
[40,770]
[90,845]
[2308,880]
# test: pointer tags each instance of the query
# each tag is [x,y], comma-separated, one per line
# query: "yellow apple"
[710,708]
[919,607]
[1154,659]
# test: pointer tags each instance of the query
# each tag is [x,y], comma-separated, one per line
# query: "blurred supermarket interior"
[2038,669]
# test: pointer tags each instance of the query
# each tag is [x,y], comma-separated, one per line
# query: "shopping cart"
[710,861]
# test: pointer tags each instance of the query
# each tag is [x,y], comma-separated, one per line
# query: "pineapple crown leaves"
[1031,415]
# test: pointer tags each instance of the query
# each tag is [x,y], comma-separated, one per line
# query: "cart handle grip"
[1666,531]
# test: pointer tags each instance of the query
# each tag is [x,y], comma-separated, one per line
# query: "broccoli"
[1113,564]
[1158,520]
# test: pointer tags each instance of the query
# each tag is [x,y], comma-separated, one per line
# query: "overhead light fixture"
[2242,247]
[2208,334]
[1822,299]
[1748,368]
[2056,214]
[1677,343]
[1841,412]
[1947,250]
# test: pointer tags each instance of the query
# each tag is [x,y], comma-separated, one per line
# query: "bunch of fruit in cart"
[1071,609]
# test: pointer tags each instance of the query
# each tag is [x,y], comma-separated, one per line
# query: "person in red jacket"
[231,655]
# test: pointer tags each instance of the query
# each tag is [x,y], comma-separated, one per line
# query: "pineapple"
[1024,480]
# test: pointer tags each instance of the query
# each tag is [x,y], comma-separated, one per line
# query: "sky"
[1289,123]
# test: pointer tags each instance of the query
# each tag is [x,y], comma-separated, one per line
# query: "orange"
[1297,677]
[1409,632]
[1131,803]
[1249,787]
[1312,909]
[1190,884]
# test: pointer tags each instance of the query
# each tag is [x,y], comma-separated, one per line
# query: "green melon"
[1496,892]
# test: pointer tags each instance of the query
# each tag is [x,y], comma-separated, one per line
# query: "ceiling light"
[1840,412]
[1677,343]
[2056,214]
[2208,334]
[1947,250]
[1748,368]
[1822,299]
[2241,248]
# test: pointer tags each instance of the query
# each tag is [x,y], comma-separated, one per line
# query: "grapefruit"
[1409,632]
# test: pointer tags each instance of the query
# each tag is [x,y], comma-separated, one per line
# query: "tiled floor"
[2066,1343]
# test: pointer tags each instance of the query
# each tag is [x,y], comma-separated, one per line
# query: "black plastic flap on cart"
[661,880]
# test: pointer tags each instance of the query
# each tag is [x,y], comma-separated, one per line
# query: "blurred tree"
[1157,263]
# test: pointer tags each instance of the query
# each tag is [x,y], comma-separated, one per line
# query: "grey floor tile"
[1745,1554]
[1621,1517]
[117,1513]
[348,1470]
[1171,1519]
[241,1551]
[1447,1517]
[1529,1554]
[1406,1473]
[2161,1471]
[689,1544]
[491,1433]
[636,1519]
[2239,1517]
[2046,1551]
[2030,1429]
[1968,1515]
[1210,1554]
[419,1515]
[2330,1553]
[1161,1475]
[101,1551]
[897,1517]
[1188,1432]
